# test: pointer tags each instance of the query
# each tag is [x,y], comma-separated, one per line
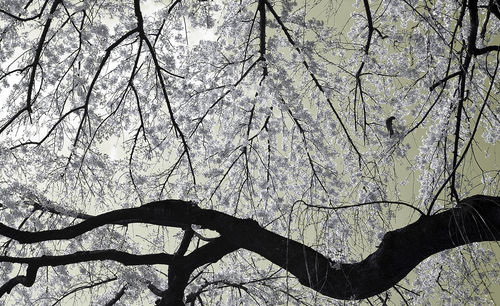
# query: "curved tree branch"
[474,219]
[27,280]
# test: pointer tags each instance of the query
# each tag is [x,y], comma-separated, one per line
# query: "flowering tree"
[253,152]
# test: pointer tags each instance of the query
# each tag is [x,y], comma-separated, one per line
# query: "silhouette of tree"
[237,152]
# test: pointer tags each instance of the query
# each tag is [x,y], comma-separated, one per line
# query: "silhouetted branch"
[474,219]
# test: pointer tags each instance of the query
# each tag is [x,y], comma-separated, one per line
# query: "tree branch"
[313,77]
[474,219]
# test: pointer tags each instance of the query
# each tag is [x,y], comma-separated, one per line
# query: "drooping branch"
[314,78]
[35,63]
[474,219]
[212,106]
[102,64]
[36,60]
[471,47]
[359,85]
[158,69]
[83,256]
[85,287]
[452,55]
[469,144]
[262,35]
[19,18]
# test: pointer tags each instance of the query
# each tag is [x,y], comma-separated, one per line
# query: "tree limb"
[474,219]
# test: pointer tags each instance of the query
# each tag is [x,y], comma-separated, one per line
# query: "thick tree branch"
[27,280]
[474,219]
[84,256]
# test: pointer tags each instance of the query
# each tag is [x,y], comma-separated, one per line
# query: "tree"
[225,152]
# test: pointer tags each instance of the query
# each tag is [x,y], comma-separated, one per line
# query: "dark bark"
[474,219]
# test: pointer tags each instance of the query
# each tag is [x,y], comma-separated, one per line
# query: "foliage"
[272,111]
